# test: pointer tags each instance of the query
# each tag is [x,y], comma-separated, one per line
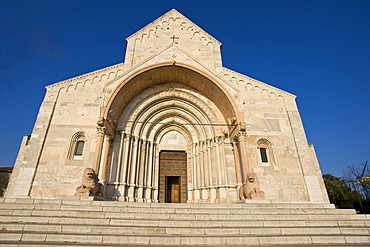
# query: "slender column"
[126,159]
[203,170]
[119,166]
[223,188]
[223,161]
[123,178]
[138,161]
[199,167]
[141,170]
[221,170]
[201,164]
[211,160]
[99,146]
[148,190]
[133,161]
[237,164]
[155,179]
[120,153]
[131,189]
[242,137]
[112,167]
[209,154]
[103,173]
[206,164]
[195,173]
[214,162]
[218,161]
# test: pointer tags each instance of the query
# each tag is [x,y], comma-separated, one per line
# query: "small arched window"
[77,145]
[79,148]
[265,152]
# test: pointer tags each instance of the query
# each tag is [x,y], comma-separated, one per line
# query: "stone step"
[181,230]
[49,239]
[5,207]
[89,201]
[29,207]
[45,216]
[184,223]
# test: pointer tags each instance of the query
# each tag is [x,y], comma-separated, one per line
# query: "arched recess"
[162,100]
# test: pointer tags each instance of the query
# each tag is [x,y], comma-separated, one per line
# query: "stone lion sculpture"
[251,189]
[90,184]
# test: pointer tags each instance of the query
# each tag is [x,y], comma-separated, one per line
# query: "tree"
[341,194]
[357,178]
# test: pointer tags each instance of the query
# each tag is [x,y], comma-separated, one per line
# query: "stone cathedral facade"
[170,124]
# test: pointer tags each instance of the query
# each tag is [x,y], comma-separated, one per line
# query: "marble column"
[99,146]
[155,179]
[141,170]
[120,153]
[133,163]
[237,164]
[213,193]
[119,164]
[195,173]
[106,148]
[242,138]
[203,171]
[149,171]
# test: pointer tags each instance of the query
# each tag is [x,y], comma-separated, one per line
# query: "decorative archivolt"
[176,92]
[90,78]
[164,122]
[152,111]
[243,82]
[167,113]
[165,129]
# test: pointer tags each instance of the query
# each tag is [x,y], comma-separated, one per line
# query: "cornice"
[86,76]
[239,80]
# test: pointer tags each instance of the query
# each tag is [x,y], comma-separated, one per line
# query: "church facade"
[170,124]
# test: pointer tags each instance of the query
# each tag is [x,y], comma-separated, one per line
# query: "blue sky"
[317,50]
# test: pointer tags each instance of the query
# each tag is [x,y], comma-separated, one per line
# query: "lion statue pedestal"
[90,185]
[251,189]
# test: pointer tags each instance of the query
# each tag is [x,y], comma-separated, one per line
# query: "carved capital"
[101,130]
[241,136]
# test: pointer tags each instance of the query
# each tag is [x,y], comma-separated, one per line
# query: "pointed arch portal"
[170,112]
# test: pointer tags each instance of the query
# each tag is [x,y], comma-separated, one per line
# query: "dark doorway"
[173,177]
[173,189]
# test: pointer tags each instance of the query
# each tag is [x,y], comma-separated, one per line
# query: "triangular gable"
[172,14]
[173,28]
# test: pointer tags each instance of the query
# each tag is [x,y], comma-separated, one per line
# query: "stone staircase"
[68,222]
